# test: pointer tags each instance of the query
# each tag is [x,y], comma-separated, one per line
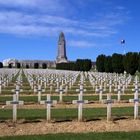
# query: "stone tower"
[61,58]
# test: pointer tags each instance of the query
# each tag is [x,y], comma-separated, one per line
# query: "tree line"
[118,63]
[79,65]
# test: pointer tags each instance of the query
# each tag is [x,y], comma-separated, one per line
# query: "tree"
[1,65]
[83,64]
[44,65]
[36,65]
[18,65]
[117,63]
[100,63]
[108,64]
[130,62]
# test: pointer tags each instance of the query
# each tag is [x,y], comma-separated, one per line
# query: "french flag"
[122,41]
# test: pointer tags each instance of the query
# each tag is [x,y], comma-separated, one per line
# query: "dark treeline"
[119,63]
[79,65]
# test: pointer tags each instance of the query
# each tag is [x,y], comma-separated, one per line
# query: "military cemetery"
[64,75]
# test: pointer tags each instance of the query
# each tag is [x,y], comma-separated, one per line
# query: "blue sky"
[29,29]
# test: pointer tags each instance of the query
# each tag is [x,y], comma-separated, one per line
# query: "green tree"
[100,63]
[130,62]
[117,63]
[108,64]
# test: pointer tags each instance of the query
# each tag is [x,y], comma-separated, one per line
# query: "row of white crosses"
[6,76]
[52,80]
[136,99]
[80,103]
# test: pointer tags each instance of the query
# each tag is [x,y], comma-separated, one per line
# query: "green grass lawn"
[66,114]
[80,136]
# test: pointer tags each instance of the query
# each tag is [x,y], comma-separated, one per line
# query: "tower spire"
[61,57]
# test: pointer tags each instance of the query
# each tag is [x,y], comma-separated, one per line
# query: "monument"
[61,58]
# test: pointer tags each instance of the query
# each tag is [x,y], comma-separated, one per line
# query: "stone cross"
[100,90]
[15,102]
[80,103]
[17,91]
[119,90]
[81,90]
[109,102]
[0,86]
[110,86]
[40,90]
[48,104]
[136,101]
[51,86]
[60,90]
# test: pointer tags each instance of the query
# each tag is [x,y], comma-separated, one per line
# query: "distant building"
[11,61]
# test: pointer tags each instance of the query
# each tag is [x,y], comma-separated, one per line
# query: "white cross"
[60,90]
[81,90]
[100,90]
[51,86]
[136,101]
[17,91]
[80,103]
[110,86]
[15,102]
[0,86]
[109,102]
[119,90]
[48,104]
[39,92]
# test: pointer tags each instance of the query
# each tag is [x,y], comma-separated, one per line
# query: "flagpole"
[123,44]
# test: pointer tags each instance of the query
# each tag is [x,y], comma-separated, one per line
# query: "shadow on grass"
[120,118]
[94,119]
[64,120]
[31,121]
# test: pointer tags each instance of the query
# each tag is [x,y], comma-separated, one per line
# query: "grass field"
[66,114]
[83,136]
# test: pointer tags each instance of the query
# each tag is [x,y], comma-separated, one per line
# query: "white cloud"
[20,22]
[81,44]
[32,24]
